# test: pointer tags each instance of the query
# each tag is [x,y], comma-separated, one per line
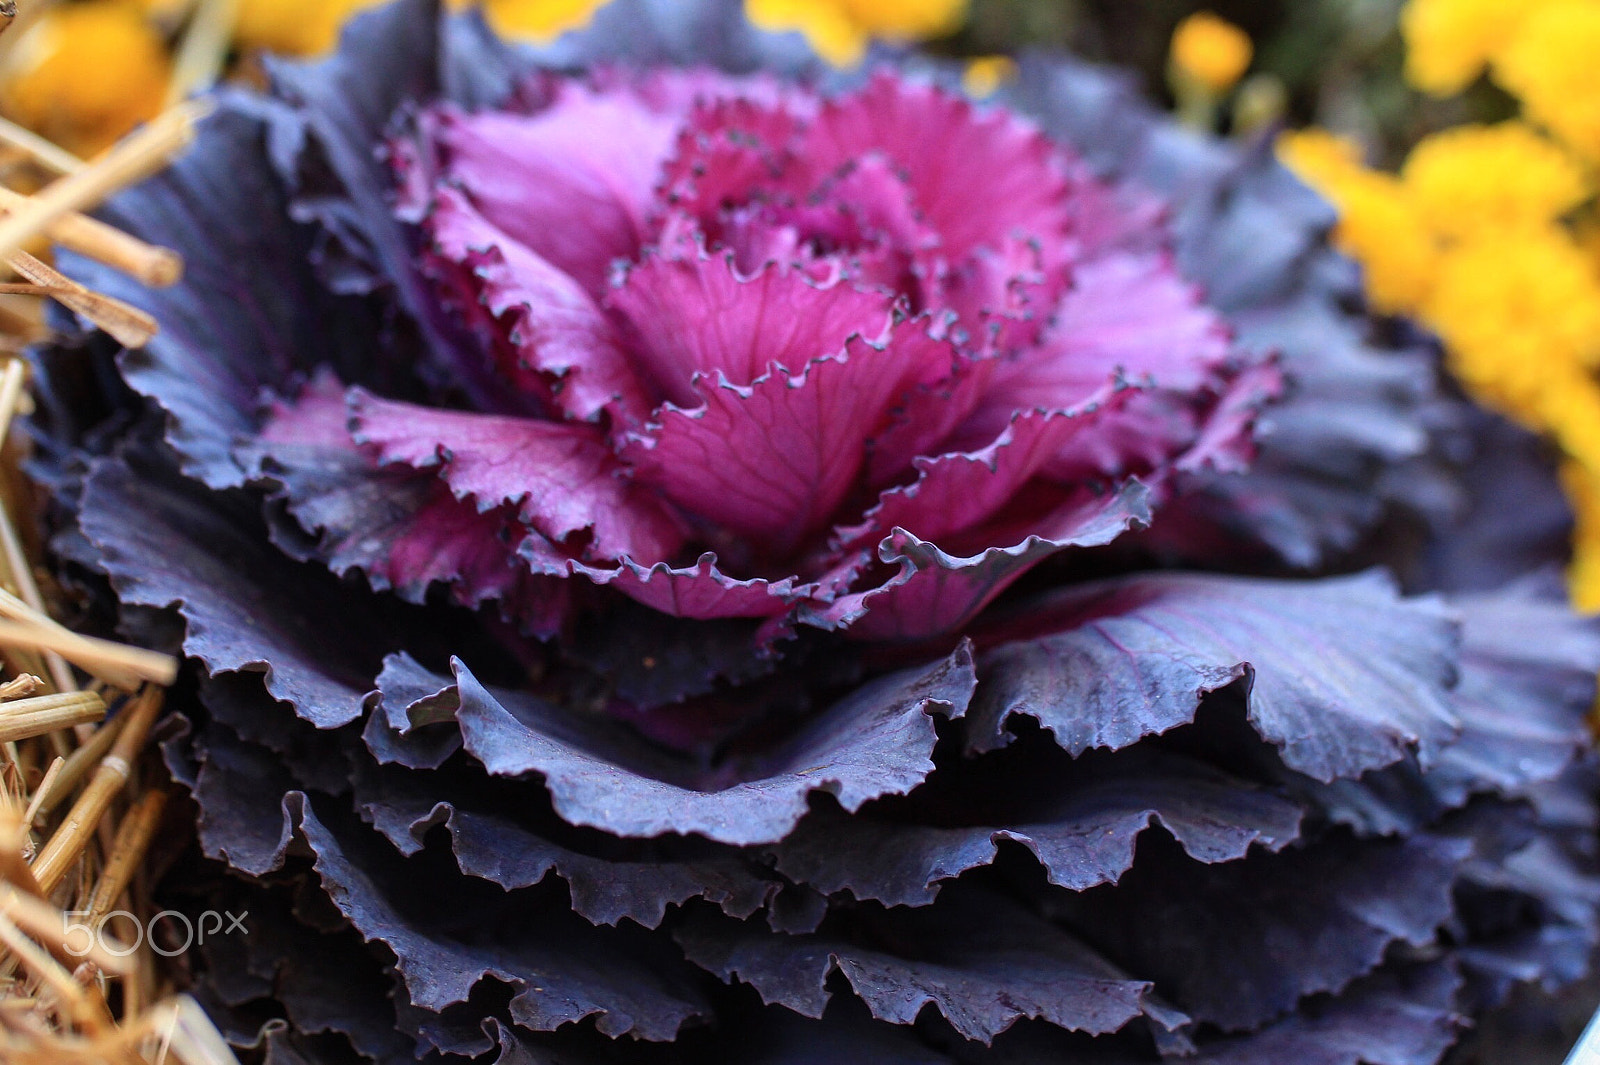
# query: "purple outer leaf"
[563,971]
[409,697]
[1527,684]
[604,889]
[1527,680]
[1344,675]
[1240,944]
[327,982]
[167,543]
[1082,832]
[250,313]
[243,792]
[877,741]
[983,968]
[1400,1018]
[337,109]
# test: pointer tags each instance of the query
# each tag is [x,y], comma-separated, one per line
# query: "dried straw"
[141,155]
[77,809]
[56,160]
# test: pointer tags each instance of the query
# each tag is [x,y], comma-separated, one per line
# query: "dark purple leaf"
[1344,675]
[1082,828]
[983,964]
[1253,237]
[877,741]
[1407,1017]
[561,969]
[249,314]
[614,882]
[1239,944]
[409,699]
[167,542]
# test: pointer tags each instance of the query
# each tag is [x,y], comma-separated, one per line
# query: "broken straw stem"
[14,560]
[133,839]
[117,664]
[149,264]
[76,767]
[27,718]
[58,855]
[45,153]
[127,325]
[140,155]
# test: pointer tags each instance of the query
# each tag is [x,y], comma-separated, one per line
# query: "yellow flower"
[294,27]
[1211,51]
[1519,314]
[841,29]
[1378,224]
[310,27]
[1318,157]
[1583,491]
[1474,178]
[1448,42]
[985,74]
[534,20]
[85,74]
[1553,65]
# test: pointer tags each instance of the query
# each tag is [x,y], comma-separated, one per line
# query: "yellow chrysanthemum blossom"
[1510,280]
[1473,179]
[1379,226]
[1582,485]
[1210,50]
[1519,313]
[985,74]
[1449,42]
[85,74]
[1319,156]
[294,27]
[1553,65]
[840,30]
[310,27]
[534,20]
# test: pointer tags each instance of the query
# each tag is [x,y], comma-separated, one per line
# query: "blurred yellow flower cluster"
[1488,234]
[840,30]
[84,72]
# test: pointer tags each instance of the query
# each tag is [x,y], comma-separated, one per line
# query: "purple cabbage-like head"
[747,351]
[680,564]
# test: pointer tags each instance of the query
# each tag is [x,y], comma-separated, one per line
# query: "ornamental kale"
[684,564]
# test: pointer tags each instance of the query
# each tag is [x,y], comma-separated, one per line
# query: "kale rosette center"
[746,351]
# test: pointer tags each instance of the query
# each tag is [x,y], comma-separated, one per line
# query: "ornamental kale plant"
[689,561]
